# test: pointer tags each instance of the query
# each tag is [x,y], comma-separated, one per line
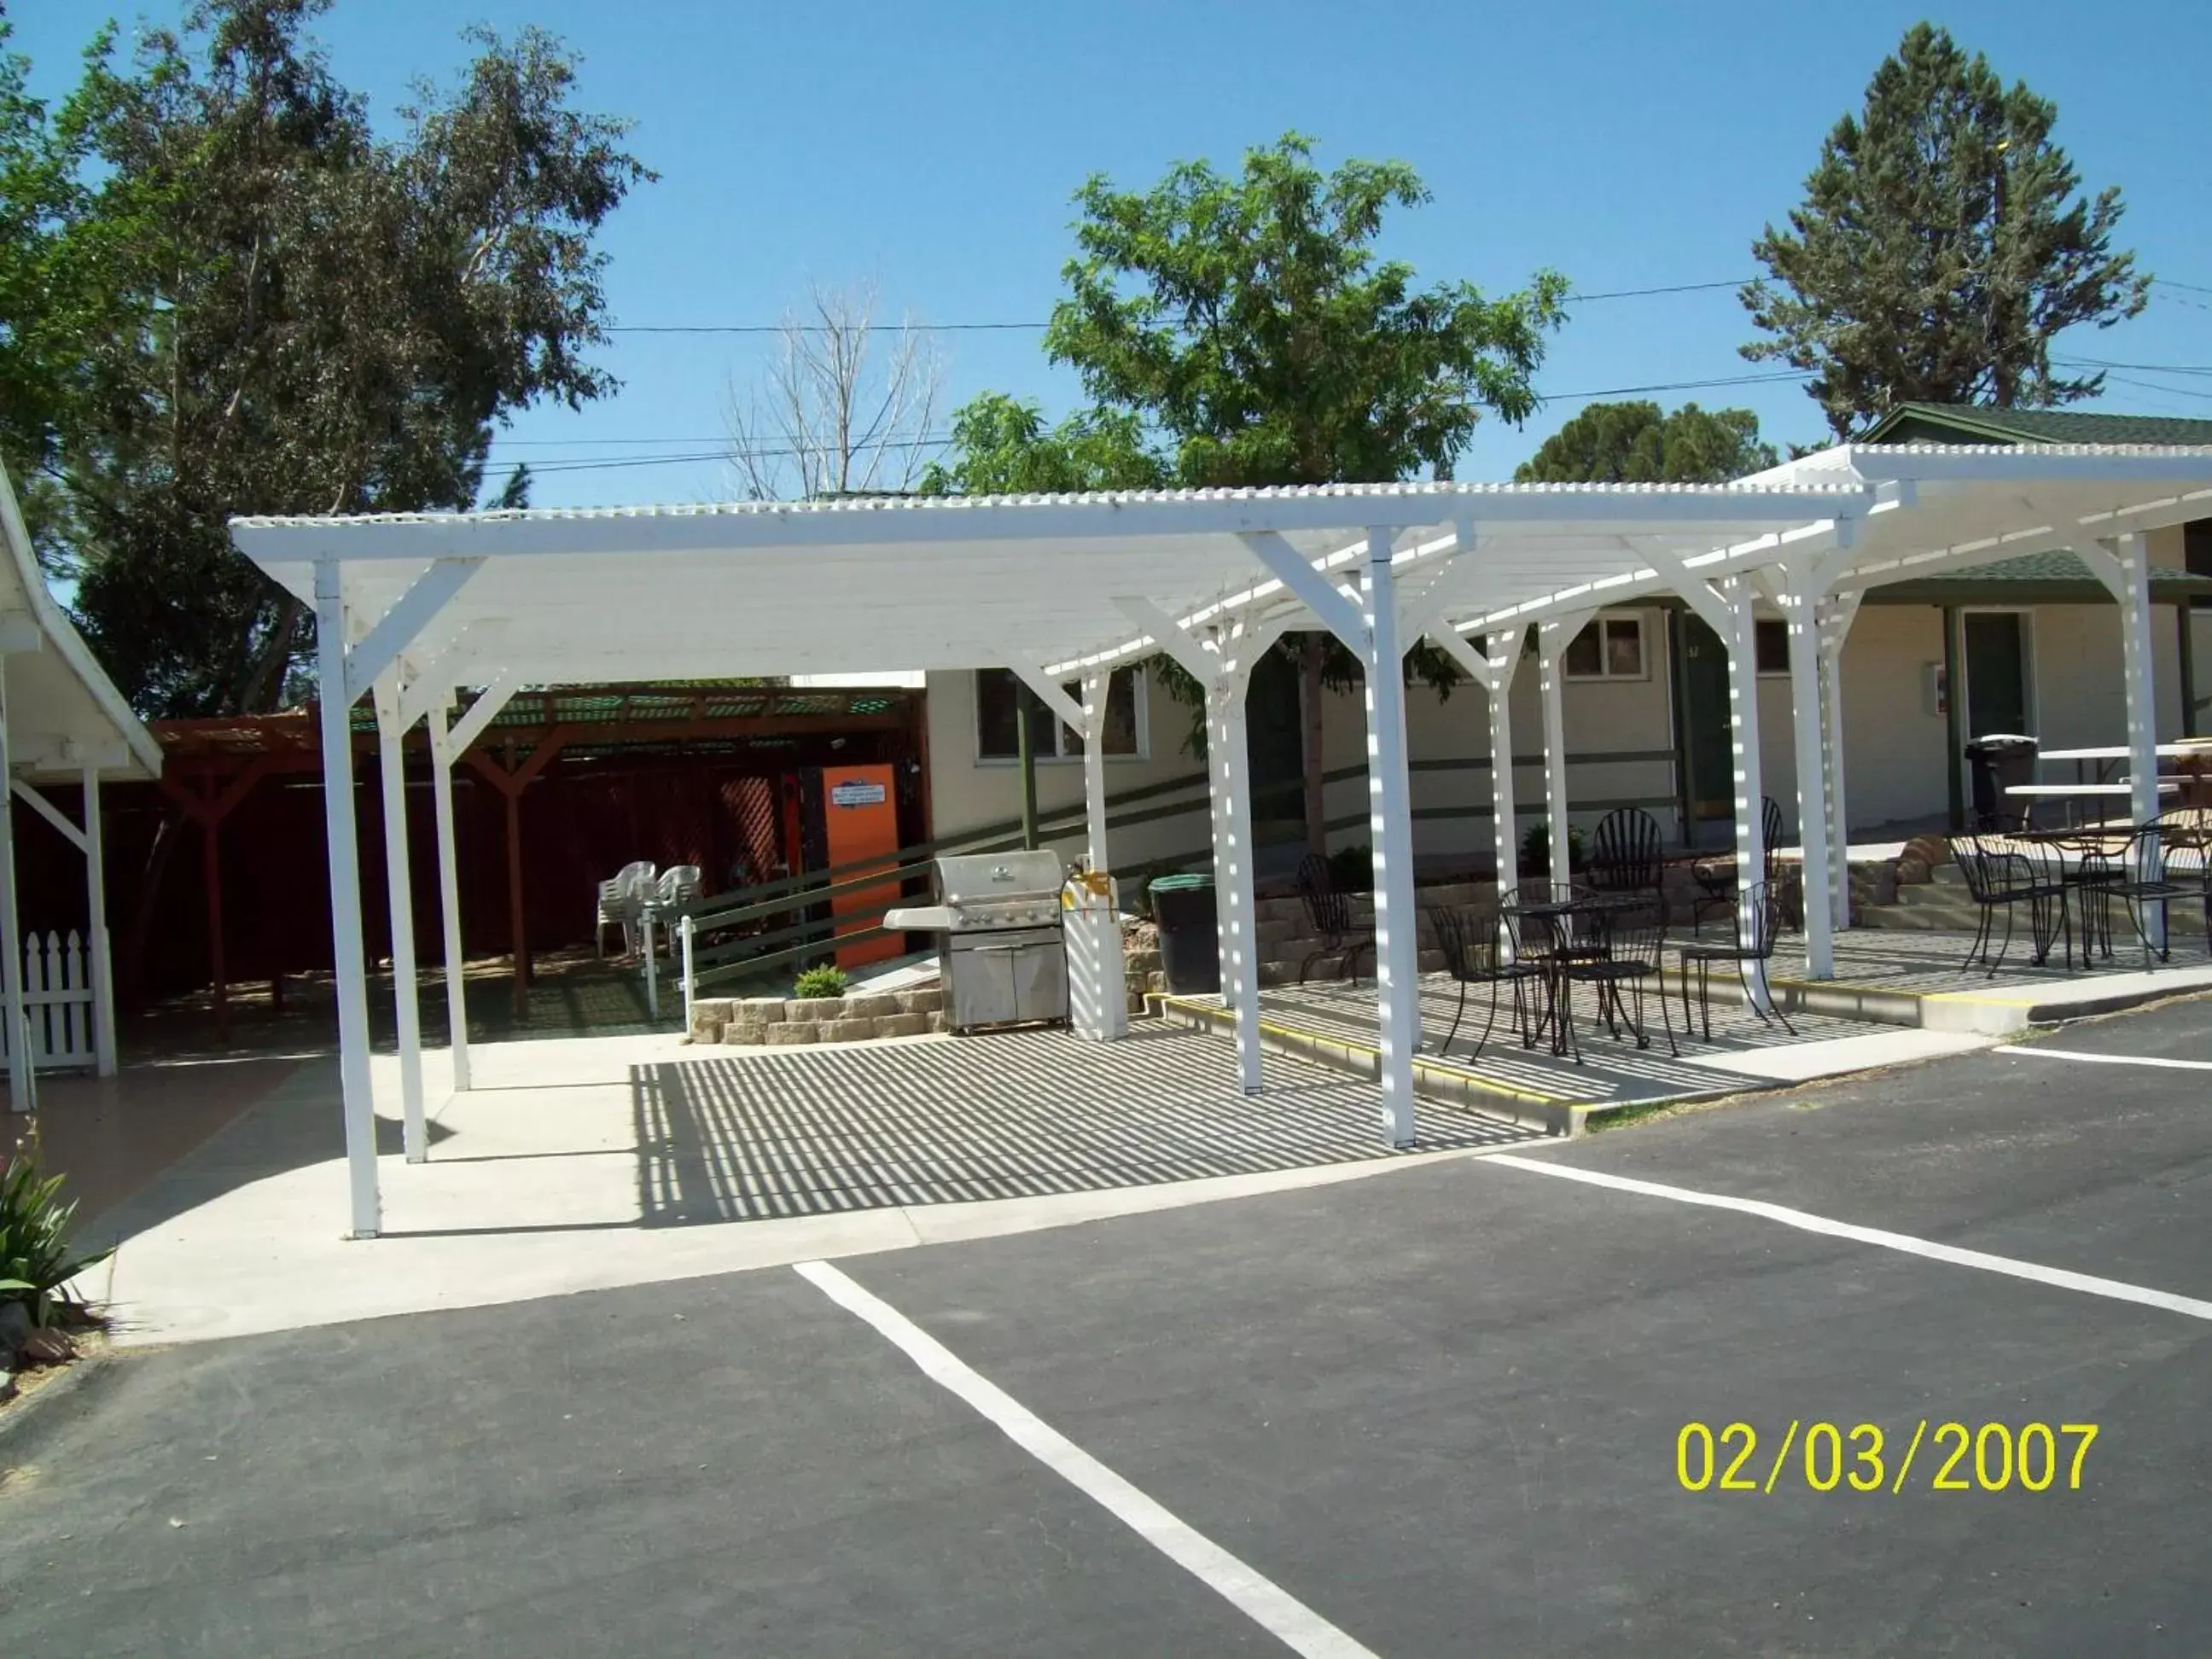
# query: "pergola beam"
[380,648]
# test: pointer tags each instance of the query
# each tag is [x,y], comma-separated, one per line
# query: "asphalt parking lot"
[1436,1412]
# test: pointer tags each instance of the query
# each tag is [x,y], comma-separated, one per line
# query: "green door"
[1701,715]
[1997,673]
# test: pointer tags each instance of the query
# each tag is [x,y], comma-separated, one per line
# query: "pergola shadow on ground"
[1022,1114]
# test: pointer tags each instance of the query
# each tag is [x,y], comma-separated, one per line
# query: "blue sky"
[934,150]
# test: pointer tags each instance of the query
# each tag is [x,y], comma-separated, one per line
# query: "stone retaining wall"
[785,1022]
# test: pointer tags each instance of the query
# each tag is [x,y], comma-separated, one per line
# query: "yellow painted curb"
[1297,1035]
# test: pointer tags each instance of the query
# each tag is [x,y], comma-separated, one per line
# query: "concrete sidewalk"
[602,1162]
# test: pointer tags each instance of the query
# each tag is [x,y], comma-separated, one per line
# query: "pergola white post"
[95,896]
[1741,635]
[1801,589]
[2127,576]
[1553,638]
[449,890]
[2123,563]
[399,892]
[1095,686]
[1229,772]
[1390,827]
[1727,610]
[11,942]
[1835,619]
[1369,626]
[1504,652]
[449,741]
[358,1102]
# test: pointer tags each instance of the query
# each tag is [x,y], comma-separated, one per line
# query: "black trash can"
[1999,760]
[1190,948]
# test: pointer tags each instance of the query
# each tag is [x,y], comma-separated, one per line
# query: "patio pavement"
[600,1162]
[1334,1023]
[1924,979]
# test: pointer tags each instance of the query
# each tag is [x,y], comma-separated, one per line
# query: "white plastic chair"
[621,904]
[679,889]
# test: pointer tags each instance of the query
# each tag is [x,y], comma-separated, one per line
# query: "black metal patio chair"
[1328,913]
[1716,877]
[1758,916]
[2161,863]
[1496,963]
[2004,875]
[1625,855]
[1635,937]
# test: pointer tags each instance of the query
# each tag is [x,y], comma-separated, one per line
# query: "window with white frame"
[1608,648]
[999,701]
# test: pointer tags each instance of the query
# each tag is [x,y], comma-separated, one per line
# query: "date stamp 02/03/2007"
[1864,1457]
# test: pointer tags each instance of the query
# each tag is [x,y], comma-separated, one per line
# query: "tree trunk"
[1313,647]
[261,687]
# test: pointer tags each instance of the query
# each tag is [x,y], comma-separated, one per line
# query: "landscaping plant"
[823,980]
[35,1262]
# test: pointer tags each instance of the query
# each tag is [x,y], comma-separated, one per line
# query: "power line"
[979,328]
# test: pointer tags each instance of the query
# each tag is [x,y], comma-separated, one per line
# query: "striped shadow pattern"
[1007,1115]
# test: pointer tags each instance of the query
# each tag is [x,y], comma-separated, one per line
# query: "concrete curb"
[1446,1086]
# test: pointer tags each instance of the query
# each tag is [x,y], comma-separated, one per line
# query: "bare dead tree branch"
[836,408]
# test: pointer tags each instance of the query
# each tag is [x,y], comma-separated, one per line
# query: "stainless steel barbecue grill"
[1001,952]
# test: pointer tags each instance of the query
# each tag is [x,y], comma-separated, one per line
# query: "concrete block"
[791,1033]
[919,1002]
[849,1029]
[737,1033]
[708,1016]
[891,1025]
[759,1011]
[873,1007]
[937,1020]
[815,1008]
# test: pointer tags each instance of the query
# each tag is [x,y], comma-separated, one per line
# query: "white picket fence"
[57,1004]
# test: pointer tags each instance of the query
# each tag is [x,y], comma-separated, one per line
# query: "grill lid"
[983,876]
[1000,890]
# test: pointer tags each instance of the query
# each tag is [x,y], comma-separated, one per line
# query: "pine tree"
[1941,247]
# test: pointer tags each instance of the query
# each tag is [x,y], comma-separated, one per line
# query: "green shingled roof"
[2033,579]
[1971,423]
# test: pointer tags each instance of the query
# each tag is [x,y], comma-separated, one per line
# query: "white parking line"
[1266,1603]
[2037,1051]
[2062,1278]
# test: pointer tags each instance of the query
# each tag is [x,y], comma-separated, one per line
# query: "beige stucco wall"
[1894,744]
[968,792]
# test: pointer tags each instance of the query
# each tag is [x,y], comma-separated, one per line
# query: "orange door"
[859,814]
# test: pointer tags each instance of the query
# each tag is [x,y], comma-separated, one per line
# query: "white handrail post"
[652,973]
[685,930]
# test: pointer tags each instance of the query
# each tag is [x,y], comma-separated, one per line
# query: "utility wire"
[978,328]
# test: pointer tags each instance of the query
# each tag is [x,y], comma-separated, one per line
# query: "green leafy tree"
[1941,246]
[1634,443]
[309,318]
[1000,445]
[1242,328]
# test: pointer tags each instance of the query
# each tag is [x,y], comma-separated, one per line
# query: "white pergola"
[61,721]
[1062,589]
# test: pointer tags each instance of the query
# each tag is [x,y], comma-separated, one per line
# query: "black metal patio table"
[1557,917]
